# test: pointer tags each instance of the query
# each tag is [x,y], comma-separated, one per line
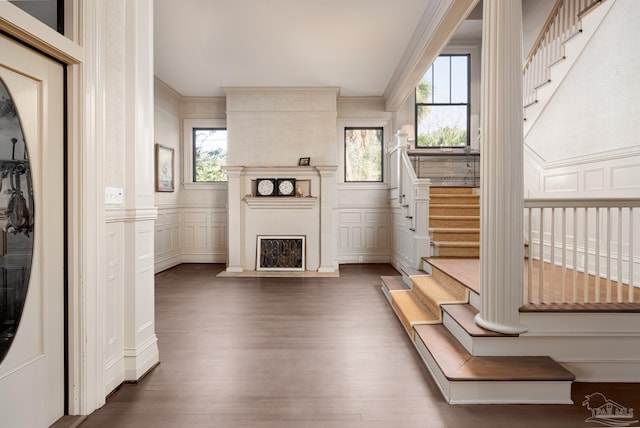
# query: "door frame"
[85,185]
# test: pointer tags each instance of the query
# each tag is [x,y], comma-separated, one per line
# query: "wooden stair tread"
[453,205]
[464,315]
[451,217]
[394,283]
[464,270]
[458,365]
[451,190]
[455,229]
[445,196]
[433,294]
[409,271]
[456,199]
[457,244]
[411,312]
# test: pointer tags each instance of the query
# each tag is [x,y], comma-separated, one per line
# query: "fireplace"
[280,253]
[281,235]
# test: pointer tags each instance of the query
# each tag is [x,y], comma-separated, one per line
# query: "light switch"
[113,195]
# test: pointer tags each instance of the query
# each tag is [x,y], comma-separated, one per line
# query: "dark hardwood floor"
[301,352]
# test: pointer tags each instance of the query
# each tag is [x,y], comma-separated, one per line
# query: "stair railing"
[581,251]
[562,24]
[412,194]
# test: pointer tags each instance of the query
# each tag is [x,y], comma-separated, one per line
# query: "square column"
[327,220]
[140,341]
[235,219]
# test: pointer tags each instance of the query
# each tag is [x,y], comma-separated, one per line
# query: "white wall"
[277,126]
[192,221]
[363,216]
[167,127]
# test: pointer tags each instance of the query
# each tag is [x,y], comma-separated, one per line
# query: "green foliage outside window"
[209,155]
[442,103]
[363,154]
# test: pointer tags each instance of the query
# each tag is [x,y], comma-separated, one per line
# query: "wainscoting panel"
[625,177]
[561,183]
[403,244]
[167,238]
[363,234]
[113,299]
[204,235]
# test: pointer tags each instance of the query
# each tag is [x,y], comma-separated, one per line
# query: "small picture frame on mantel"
[304,161]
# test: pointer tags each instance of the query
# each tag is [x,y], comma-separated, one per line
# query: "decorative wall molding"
[283,203]
[582,160]
[128,215]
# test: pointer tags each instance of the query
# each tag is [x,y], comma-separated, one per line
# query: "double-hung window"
[442,104]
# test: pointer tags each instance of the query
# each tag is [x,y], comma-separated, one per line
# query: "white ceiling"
[202,46]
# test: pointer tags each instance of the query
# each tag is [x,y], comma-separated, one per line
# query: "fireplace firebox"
[280,253]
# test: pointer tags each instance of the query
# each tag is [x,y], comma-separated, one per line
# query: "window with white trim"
[363,154]
[209,154]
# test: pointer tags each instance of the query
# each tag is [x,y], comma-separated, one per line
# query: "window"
[363,154]
[50,12]
[209,154]
[442,104]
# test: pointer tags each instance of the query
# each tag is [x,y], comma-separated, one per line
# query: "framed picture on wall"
[164,169]
[304,161]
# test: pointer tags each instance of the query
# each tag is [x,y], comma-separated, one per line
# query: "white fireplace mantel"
[311,216]
[255,202]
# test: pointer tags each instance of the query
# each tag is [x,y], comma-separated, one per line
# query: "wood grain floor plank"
[300,353]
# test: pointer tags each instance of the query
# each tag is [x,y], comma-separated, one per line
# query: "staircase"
[564,36]
[454,222]
[437,311]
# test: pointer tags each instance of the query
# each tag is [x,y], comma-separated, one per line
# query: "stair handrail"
[562,23]
[413,198]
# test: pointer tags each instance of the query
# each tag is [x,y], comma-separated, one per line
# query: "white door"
[32,370]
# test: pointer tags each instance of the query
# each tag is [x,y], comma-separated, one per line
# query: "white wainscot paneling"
[625,177]
[167,239]
[364,235]
[403,244]
[114,306]
[204,235]
[594,180]
[561,183]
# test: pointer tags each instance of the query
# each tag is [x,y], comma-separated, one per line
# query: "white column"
[140,342]
[235,247]
[328,262]
[501,202]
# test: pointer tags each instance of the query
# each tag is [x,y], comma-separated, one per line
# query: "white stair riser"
[386,293]
[510,392]
[458,332]
[598,356]
[495,392]
[474,299]
[581,322]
